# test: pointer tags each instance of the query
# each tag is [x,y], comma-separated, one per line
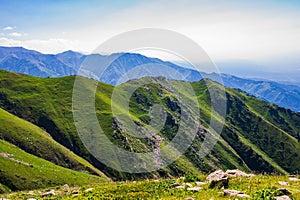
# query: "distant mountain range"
[126,66]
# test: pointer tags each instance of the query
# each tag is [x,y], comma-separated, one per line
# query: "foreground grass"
[258,187]
[21,171]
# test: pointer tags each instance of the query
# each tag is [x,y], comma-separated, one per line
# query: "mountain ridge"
[21,60]
[254,137]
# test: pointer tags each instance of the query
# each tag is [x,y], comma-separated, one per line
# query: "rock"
[237,173]
[31,199]
[215,175]
[65,186]
[198,183]
[195,189]
[184,185]
[283,183]
[283,197]
[88,190]
[218,179]
[31,193]
[294,179]
[243,195]
[235,193]
[189,198]
[180,187]
[187,185]
[283,191]
[50,193]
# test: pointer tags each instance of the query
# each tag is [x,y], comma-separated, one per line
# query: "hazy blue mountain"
[122,67]
[284,95]
[18,59]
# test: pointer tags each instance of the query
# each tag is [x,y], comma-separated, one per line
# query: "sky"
[261,32]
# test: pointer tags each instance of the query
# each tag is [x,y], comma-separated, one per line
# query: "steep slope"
[48,104]
[34,140]
[284,95]
[250,140]
[22,171]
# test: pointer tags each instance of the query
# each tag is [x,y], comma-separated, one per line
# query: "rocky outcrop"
[218,179]
[237,173]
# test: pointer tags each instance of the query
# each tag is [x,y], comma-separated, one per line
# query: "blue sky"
[257,31]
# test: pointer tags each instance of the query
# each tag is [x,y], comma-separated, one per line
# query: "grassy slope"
[249,141]
[46,103]
[259,187]
[35,141]
[275,136]
[261,143]
[26,171]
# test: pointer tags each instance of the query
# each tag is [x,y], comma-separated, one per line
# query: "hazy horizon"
[243,38]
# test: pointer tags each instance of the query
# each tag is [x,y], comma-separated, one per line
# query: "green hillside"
[22,171]
[35,141]
[253,138]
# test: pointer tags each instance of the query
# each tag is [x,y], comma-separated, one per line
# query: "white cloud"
[52,45]
[16,34]
[226,31]
[8,28]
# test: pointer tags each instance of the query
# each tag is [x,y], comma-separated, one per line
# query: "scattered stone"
[3,199]
[189,198]
[30,193]
[50,193]
[88,190]
[238,173]
[283,183]
[283,191]
[198,183]
[218,179]
[243,195]
[195,189]
[236,193]
[180,187]
[294,179]
[31,199]
[65,186]
[283,197]
[187,185]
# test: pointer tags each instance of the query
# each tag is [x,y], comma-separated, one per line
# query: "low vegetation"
[259,187]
